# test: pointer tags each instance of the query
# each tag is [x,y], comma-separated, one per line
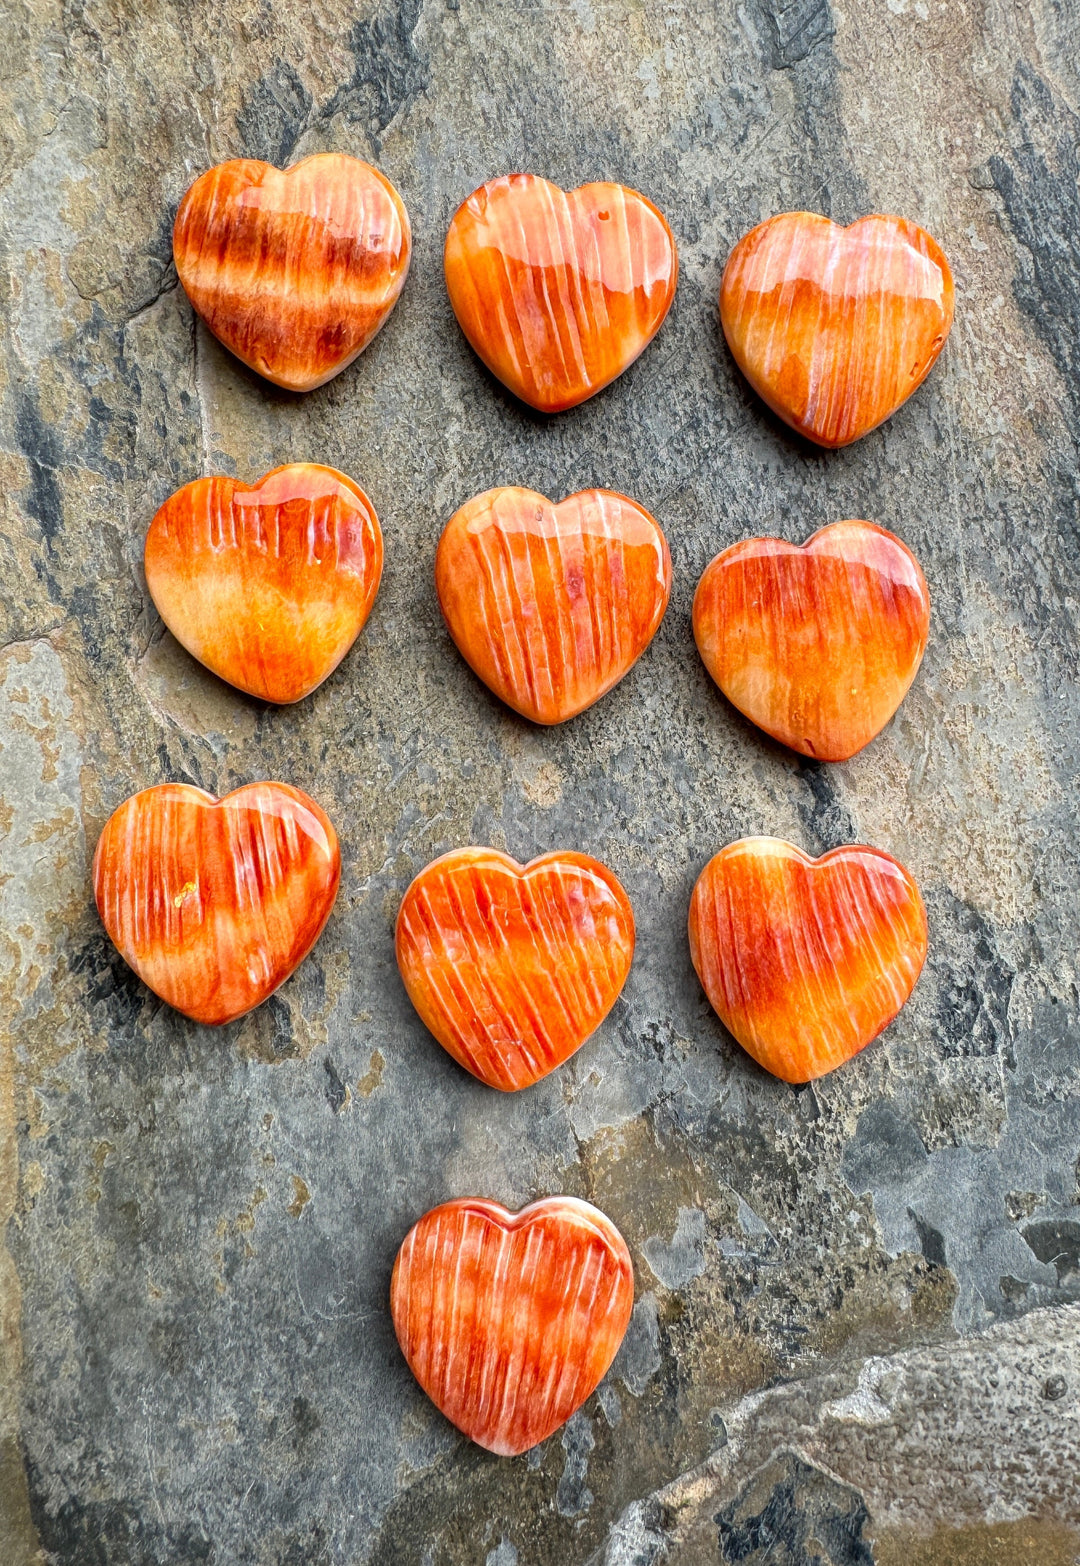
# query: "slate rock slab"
[196,1357]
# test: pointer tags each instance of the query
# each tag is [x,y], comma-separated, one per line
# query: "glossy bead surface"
[510,1320]
[550,605]
[215,902]
[294,270]
[805,960]
[558,292]
[836,327]
[267,584]
[512,967]
[816,643]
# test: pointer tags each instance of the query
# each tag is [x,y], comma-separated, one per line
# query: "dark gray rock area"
[853,1339]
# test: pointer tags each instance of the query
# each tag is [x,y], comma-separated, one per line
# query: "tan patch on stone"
[622,1176]
[372,1077]
[18,1536]
[259,1037]
[544,786]
[1030,1542]
[301,1196]
[33,1183]
[41,899]
[244,1222]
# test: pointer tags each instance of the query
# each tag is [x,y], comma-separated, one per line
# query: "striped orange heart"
[214,902]
[512,967]
[509,1320]
[550,605]
[835,327]
[558,292]
[294,271]
[816,643]
[805,960]
[267,584]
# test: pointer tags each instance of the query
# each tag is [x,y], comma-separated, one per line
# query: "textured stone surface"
[195,1349]
[771,1491]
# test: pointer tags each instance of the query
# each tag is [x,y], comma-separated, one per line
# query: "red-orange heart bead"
[558,292]
[836,327]
[805,960]
[550,605]
[509,1320]
[816,643]
[214,902]
[295,270]
[512,967]
[267,584]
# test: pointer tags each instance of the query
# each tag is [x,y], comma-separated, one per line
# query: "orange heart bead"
[559,292]
[267,584]
[512,967]
[836,327]
[509,1320]
[214,902]
[816,643]
[805,960]
[550,605]
[294,270]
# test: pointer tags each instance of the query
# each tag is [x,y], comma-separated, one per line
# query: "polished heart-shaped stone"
[816,643]
[512,967]
[509,1320]
[294,270]
[550,605]
[214,902]
[835,327]
[267,584]
[558,292]
[805,960]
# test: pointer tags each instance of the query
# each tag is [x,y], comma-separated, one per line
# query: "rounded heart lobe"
[294,271]
[267,584]
[550,605]
[513,968]
[215,902]
[835,327]
[817,644]
[509,1321]
[558,292]
[805,960]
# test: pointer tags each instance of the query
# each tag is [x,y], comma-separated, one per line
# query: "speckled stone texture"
[835,1356]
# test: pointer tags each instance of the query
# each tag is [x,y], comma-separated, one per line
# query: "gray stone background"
[853,1339]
